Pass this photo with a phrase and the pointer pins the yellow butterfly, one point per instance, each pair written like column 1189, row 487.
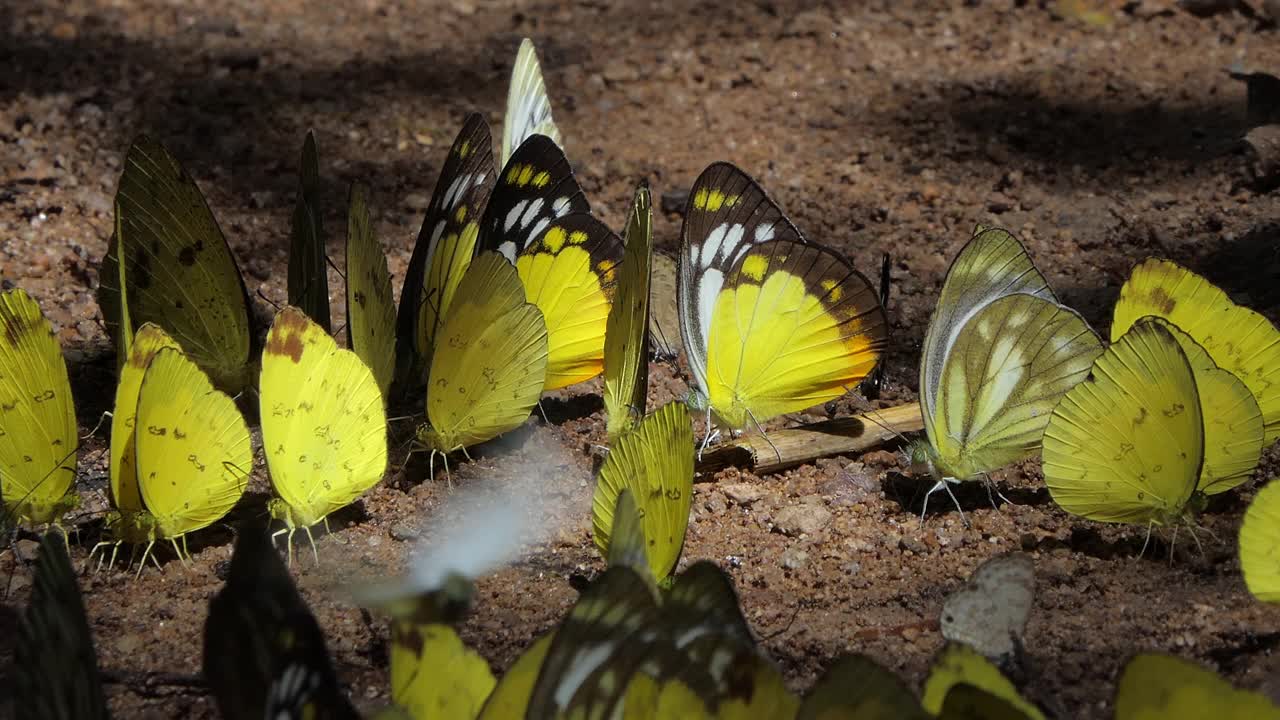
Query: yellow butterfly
column 654, row 462
column 1238, row 339
column 192, row 454
column 626, row 346
column 567, row 260
column 444, row 248
column 126, row 493
column 1162, row 687
column 308, row 280
column 489, row 362
column 371, row 309
column 959, row 665
column 528, row 107
column 181, row 273
column 38, row 440
column 433, row 674
column 324, row 430
column 999, row 353
column 1127, row 444
column 1260, row 544
column 771, row 323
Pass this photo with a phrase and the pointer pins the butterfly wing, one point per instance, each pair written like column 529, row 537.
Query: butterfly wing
column 625, row 542
column 324, row 430
column 55, row 666
column 528, row 107
column 855, row 686
column 1237, row 338
column 794, row 325
column 490, row 363
column 181, row 273
column 569, row 272
column 442, row 252
column 1260, row 544
column 654, row 462
column 959, row 665
column 433, row 674
column 1157, row 687
column 1234, row 428
column 536, row 186
column 38, row 440
column 727, row 213
column 264, row 653
column 193, row 450
column 991, row 265
column 968, row 702
column 308, row 281
column 626, row 355
column 510, row 698
column 1004, row 373
column 1127, row 443
column 125, row 492
column 371, row 309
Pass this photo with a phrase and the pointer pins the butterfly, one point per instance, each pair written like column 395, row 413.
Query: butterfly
column 1238, row 339
column 181, row 273
column 654, row 462
column 999, row 353
column 857, row 687
column 38, row 440
column 989, row 614
column 626, row 356
column 567, row 260
column 528, row 107
column 55, row 666
column 1128, row 444
column 771, row 323
column 958, row 666
column 308, row 279
column 264, row 653
column 324, row 430
column 443, row 250
column 1162, row 687
column 191, row 453
column 433, row 674
column 1260, row 544
column 489, row 362
column 126, row 520
column 371, row 309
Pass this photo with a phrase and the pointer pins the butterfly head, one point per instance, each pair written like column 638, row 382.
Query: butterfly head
column 922, row 458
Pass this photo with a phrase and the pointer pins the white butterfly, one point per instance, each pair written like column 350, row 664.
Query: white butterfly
column 989, row 614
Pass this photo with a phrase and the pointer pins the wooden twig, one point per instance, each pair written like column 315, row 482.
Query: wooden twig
column 794, row 446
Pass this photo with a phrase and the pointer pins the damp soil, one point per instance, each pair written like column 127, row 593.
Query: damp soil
column 881, row 127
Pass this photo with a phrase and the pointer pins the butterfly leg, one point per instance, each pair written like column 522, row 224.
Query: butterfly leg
column 311, row 539
column 764, row 435
column 1146, row 541
column 543, row 412
column 145, row 554
column 288, row 542
column 944, row 484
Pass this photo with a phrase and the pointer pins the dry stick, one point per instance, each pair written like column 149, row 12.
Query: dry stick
column 806, row 443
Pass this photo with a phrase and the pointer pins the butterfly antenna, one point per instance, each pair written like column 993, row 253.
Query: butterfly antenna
column 329, row 261
column 764, row 435
column 268, row 300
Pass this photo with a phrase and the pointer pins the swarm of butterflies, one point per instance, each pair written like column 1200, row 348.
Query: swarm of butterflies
column 514, row 289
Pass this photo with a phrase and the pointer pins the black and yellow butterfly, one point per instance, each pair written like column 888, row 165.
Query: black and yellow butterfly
column 771, row 322
column 182, row 275
column 264, row 653
column 539, row 219
column 55, row 666
column 442, row 251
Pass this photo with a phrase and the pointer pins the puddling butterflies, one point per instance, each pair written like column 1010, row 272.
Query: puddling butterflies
column 184, row 454
column 989, row 613
column 626, row 346
column 1260, row 544
column 999, row 353
column 772, row 323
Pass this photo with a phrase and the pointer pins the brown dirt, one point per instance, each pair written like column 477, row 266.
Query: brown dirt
column 880, row 127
